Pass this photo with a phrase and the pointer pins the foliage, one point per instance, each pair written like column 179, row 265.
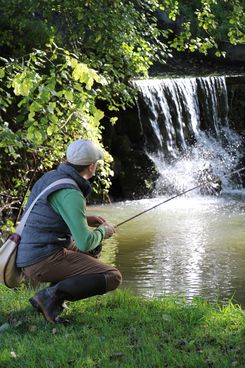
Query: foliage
column 46, row 101
column 49, row 94
column 121, row 38
column 121, row 330
column 206, row 23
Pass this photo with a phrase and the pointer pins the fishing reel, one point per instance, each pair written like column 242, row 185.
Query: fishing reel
column 96, row 252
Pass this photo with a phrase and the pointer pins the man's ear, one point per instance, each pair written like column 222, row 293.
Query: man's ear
column 91, row 168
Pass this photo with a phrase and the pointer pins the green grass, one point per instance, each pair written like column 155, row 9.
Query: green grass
column 121, row 330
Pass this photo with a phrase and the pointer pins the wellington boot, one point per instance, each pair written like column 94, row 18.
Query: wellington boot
column 81, row 287
column 46, row 302
column 50, row 301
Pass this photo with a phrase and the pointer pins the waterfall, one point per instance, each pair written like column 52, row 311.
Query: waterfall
column 187, row 134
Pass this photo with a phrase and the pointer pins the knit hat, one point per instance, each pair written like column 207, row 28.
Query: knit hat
column 83, row 152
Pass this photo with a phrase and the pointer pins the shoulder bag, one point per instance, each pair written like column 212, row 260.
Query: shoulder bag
column 10, row 275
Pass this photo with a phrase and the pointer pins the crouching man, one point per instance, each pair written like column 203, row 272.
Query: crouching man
column 45, row 253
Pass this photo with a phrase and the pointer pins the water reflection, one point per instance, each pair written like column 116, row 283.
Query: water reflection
column 191, row 246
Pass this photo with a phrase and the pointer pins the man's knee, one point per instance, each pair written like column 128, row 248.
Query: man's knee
column 113, row 279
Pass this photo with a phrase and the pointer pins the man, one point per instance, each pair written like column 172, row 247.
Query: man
column 46, row 253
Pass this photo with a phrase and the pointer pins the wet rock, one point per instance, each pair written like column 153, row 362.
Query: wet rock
column 135, row 176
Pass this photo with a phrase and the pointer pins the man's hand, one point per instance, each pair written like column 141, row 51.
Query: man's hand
column 95, row 221
column 109, row 230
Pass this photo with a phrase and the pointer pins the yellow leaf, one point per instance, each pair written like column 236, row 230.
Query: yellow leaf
column 98, row 115
column 89, row 83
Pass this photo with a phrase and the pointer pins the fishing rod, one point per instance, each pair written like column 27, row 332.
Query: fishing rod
column 177, row 195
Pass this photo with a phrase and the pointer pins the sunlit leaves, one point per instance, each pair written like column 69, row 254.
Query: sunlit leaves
column 205, row 16
column 33, row 134
column 23, row 82
column 53, row 101
column 236, row 31
column 120, row 39
column 210, row 22
column 48, row 96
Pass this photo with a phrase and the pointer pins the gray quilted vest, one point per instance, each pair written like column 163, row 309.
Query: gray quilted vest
column 45, row 231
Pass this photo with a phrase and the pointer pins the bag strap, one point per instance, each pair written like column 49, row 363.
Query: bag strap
column 21, row 225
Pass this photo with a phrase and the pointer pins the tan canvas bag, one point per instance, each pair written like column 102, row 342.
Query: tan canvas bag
column 10, row 275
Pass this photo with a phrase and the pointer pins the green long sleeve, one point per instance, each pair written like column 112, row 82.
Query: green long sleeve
column 71, row 205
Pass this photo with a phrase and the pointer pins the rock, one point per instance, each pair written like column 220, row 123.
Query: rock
column 135, row 176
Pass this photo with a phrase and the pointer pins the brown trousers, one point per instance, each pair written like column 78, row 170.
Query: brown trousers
column 69, row 262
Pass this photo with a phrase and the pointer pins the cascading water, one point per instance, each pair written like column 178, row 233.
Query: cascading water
column 187, row 133
column 192, row 245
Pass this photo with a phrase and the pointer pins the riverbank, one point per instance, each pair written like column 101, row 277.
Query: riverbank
column 121, row 330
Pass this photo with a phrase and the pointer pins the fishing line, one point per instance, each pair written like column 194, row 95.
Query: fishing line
column 177, row 195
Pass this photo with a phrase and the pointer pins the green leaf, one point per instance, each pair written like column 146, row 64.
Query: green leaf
column 80, row 73
column 31, row 116
column 2, row 73
column 89, row 83
column 113, row 120
column 36, row 106
column 51, row 107
column 22, row 85
column 98, row 115
column 68, row 95
column 53, row 118
column 50, row 130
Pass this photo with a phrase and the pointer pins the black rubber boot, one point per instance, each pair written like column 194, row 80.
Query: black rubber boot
column 81, row 287
column 46, row 302
column 49, row 301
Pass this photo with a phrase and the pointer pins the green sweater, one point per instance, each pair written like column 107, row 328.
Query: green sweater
column 71, row 205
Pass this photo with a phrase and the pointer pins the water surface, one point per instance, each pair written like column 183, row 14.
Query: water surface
column 190, row 246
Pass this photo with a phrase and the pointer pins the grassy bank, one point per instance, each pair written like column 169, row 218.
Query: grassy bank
column 121, row 330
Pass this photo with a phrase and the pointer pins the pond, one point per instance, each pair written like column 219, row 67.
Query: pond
column 191, row 246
